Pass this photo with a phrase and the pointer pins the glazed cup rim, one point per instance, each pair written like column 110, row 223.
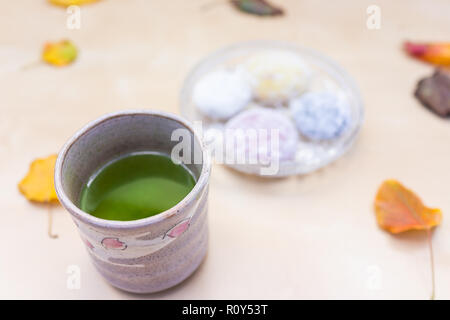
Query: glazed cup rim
column 116, row 224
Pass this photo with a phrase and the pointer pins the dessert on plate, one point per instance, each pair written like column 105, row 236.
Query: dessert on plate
column 320, row 115
column 277, row 76
column 222, row 93
column 261, row 134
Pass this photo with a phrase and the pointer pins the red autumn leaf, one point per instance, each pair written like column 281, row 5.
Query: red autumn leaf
column 434, row 53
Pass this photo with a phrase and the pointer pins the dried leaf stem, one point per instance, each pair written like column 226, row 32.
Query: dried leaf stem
column 50, row 223
column 430, row 247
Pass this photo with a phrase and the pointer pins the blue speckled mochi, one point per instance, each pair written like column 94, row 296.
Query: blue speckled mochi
column 320, row 115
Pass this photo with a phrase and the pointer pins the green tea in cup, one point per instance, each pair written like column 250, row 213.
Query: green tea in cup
column 136, row 186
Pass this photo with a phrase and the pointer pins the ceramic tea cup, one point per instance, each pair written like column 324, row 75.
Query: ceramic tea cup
column 149, row 254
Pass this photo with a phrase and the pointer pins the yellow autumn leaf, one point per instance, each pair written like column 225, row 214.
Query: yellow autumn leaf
column 59, row 53
column 38, row 185
column 66, row 3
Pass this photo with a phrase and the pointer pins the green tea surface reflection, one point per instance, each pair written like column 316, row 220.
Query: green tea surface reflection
column 136, row 186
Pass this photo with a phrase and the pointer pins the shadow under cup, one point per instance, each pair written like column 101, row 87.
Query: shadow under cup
column 150, row 254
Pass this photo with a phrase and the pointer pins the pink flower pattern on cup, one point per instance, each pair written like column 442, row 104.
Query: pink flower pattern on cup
column 88, row 244
column 113, row 243
column 179, row 229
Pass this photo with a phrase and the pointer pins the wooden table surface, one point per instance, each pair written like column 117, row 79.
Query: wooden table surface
column 311, row 236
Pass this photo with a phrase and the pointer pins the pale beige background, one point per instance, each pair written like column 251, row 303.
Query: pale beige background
column 303, row 237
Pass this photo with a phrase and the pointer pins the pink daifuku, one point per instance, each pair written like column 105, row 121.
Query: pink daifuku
column 178, row 229
column 252, row 134
column 113, row 243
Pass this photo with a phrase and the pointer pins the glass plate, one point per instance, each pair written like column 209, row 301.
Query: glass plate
column 328, row 75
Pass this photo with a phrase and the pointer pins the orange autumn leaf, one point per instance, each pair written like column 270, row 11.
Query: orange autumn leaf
column 59, row 53
column 434, row 53
column 398, row 209
column 66, row 3
column 38, row 184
